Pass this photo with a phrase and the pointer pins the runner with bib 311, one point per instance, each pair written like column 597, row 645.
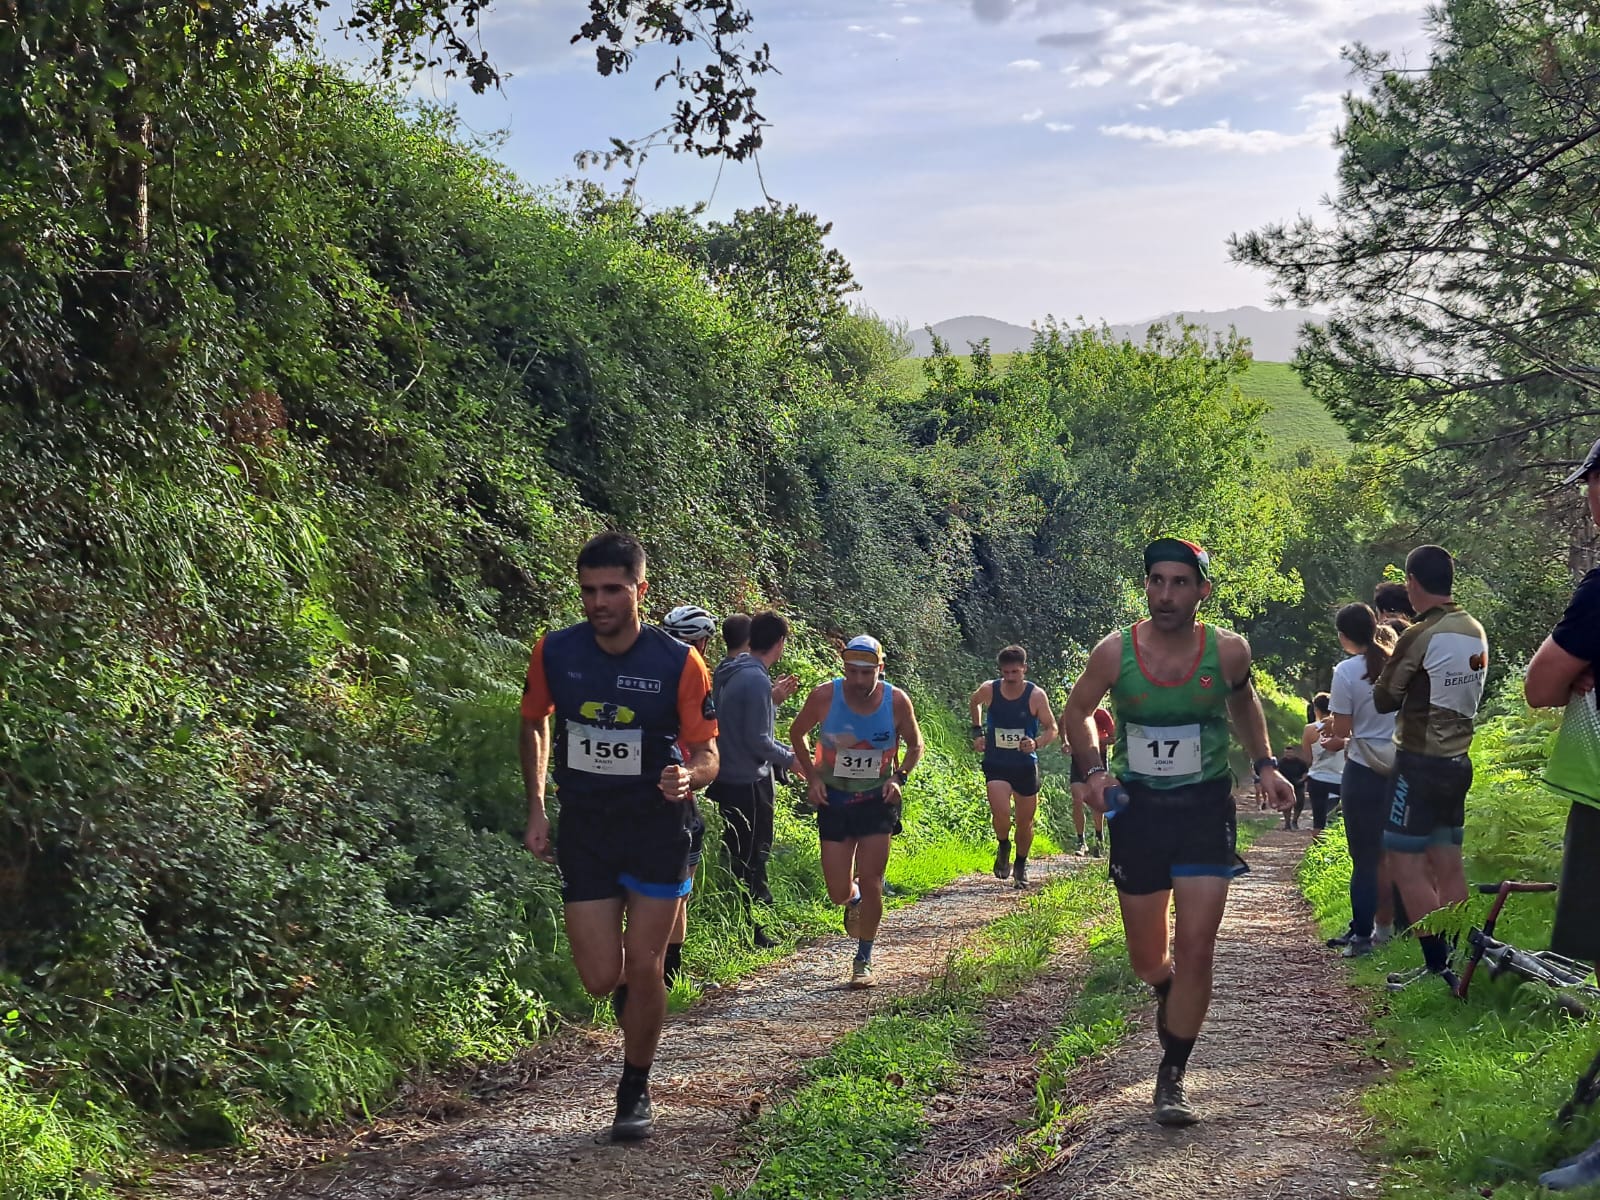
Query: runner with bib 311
column 1174, row 682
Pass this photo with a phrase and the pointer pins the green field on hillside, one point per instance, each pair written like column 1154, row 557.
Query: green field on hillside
column 1293, row 418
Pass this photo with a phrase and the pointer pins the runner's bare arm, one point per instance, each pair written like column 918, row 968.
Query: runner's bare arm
column 1249, row 719
column 1077, row 718
column 703, row 762
column 1309, row 740
column 980, row 698
column 807, row 719
column 1040, row 707
column 533, row 748
column 905, row 724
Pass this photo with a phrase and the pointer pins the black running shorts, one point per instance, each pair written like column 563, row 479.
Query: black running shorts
column 1164, row 835
column 1427, row 801
column 1577, row 928
column 847, row 818
column 1022, row 776
column 638, row 842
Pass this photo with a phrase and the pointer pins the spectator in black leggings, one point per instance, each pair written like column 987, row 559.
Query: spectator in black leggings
column 1367, row 738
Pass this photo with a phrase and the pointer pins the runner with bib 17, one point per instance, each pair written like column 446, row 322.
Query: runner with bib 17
column 1174, row 681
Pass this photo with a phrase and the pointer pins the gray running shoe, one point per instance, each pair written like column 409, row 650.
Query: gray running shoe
column 1356, row 948
column 852, row 919
column 1002, row 861
column 861, row 974
column 1172, row 1105
column 1578, row 1172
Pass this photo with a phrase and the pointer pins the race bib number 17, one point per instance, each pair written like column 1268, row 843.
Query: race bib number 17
column 1164, row 751
column 604, row 751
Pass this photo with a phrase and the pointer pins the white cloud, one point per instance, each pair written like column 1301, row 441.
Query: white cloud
column 1220, row 137
column 1025, row 64
column 1033, row 114
column 1165, row 72
column 1058, row 127
column 911, row 20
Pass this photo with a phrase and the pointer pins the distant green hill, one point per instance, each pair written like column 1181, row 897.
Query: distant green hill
column 1293, row 418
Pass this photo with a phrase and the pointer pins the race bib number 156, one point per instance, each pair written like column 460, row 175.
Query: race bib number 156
column 604, row 751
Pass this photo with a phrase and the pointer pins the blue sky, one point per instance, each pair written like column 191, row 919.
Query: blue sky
column 1006, row 157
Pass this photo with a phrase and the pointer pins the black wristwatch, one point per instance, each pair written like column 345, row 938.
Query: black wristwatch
column 900, row 777
column 1262, row 763
column 977, row 731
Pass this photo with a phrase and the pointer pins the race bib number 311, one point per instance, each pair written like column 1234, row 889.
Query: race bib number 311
column 1164, row 751
column 858, row 764
column 604, row 751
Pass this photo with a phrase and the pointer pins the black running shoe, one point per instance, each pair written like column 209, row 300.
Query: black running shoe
column 763, row 940
column 1002, row 861
column 1172, row 1105
column 1343, row 940
column 634, row 1121
column 1019, row 873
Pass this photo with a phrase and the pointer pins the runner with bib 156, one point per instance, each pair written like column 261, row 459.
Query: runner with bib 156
column 1174, row 682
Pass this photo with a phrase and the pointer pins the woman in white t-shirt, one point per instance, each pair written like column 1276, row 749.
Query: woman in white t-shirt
column 1326, row 775
column 1367, row 738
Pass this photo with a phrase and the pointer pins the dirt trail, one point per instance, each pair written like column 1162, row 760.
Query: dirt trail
column 1277, row 1073
column 719, row 1060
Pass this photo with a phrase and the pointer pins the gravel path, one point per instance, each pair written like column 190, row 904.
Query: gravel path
column 543, row 1137
column 1277, row 1073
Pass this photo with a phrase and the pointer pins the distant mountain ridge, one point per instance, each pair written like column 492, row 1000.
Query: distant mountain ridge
column 1274, row 333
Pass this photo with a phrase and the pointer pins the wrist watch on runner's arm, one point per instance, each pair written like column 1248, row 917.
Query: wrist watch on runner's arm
column 1261, row 764
column 900, row 777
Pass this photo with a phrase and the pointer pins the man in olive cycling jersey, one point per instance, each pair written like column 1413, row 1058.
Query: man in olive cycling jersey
column 1175, row 682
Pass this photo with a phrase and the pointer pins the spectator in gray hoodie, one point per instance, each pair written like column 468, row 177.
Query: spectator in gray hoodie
column 748, row 752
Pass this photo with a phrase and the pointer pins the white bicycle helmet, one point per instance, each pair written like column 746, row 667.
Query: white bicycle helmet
column 689, row 623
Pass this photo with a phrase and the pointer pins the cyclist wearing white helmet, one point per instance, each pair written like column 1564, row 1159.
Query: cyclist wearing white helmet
column 693, row 626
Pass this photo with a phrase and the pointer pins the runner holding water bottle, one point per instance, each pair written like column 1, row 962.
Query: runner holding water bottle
column 1174, row 681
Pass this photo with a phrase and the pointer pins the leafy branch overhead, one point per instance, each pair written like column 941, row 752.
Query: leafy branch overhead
column 716, row 113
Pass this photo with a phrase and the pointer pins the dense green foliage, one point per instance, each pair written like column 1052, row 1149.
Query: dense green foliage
column 1472, row 1108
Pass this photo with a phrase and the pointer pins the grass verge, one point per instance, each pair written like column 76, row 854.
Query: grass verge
column 1471, row 1113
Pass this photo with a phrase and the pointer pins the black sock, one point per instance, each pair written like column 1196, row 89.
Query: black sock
column 1162, row 991
column 619, row 998
column 1175, row 1051
column 1005, row 846
column 672, row 964
column 1435, row 952
column 634, row 1079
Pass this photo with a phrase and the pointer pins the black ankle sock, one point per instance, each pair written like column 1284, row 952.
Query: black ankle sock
column 1005, row 846
column 672, row 964
column 1176, row 1051
column 1162, row 991
column 1435, row 952
column 635, row 1080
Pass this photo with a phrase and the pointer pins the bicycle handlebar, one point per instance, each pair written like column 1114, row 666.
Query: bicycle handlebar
column 1512, row 885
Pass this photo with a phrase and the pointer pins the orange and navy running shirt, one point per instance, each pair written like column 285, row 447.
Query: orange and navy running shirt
column 618, row 717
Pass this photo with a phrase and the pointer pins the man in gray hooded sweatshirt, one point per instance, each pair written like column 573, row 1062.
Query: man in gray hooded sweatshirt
column 748, row 752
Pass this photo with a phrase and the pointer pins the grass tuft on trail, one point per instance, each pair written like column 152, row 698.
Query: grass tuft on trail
column 843, row 1132
column 1470, row 1110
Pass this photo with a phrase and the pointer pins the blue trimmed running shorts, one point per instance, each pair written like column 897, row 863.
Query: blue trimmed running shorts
column 1171, row 833
column 640, row 842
